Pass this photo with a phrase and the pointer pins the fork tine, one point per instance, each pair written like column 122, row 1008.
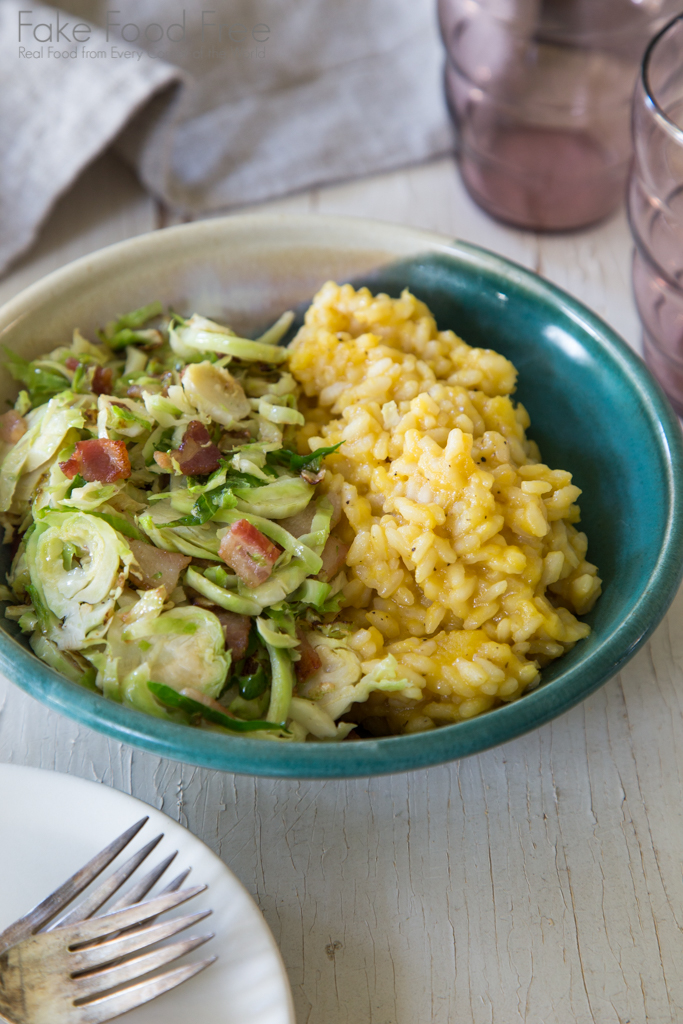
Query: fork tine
column 138, row 891
column 176, row 883
column 68, row 891
column 110, row 1006
column 98, row 927
column 111, row 977
column 98, row 956
column 172, row 886
column 107, row 889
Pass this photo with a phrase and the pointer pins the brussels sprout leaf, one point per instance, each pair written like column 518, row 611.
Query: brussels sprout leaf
column 42, row 384
column 285, row 457
column 172, row 699
column 125, row 330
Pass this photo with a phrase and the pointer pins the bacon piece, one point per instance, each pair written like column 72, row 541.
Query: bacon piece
column 72, row 363
column 333, row 555
column 155, row 567
column 99, row 459
column 235, row 630
column 301, row 522
column 12, row 426
column 235, row 627
column 102, row 380
column 197, row 453
column 309, row 662
column 246, row 550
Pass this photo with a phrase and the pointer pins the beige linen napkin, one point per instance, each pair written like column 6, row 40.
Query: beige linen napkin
column 56, row 115
column 277, row 95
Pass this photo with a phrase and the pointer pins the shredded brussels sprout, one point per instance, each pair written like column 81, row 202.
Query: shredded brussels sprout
column 169, row 527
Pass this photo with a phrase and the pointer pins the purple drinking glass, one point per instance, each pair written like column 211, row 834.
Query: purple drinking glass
column 655, row 207
column 540, row 92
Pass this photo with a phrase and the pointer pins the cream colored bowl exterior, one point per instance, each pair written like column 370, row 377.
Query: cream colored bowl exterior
column 248, row 268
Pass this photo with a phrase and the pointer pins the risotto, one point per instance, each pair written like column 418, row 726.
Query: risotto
column 464, row 559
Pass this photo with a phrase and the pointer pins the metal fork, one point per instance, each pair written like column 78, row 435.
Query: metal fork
column 76, row 969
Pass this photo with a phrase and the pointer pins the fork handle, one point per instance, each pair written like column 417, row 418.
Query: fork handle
column 11, row 991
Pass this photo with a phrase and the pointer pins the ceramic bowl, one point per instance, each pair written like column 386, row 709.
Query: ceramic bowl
column 595, row 410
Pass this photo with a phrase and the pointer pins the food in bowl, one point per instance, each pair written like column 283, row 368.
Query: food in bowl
column 464, row 563
column 349, row 537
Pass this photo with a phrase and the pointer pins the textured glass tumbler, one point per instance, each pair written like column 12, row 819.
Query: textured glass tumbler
column 655, row 206
column 540, row 92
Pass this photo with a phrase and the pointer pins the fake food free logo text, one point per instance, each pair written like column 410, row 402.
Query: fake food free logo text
column 58, row 30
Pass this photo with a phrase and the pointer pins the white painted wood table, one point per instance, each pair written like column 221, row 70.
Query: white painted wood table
column 541, row 882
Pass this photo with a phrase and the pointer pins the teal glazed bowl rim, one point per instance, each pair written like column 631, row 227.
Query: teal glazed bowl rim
column 642, row 611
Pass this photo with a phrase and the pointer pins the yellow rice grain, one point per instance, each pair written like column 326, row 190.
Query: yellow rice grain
column 464, row 559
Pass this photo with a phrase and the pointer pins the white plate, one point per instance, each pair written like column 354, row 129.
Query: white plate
column 51, row 824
